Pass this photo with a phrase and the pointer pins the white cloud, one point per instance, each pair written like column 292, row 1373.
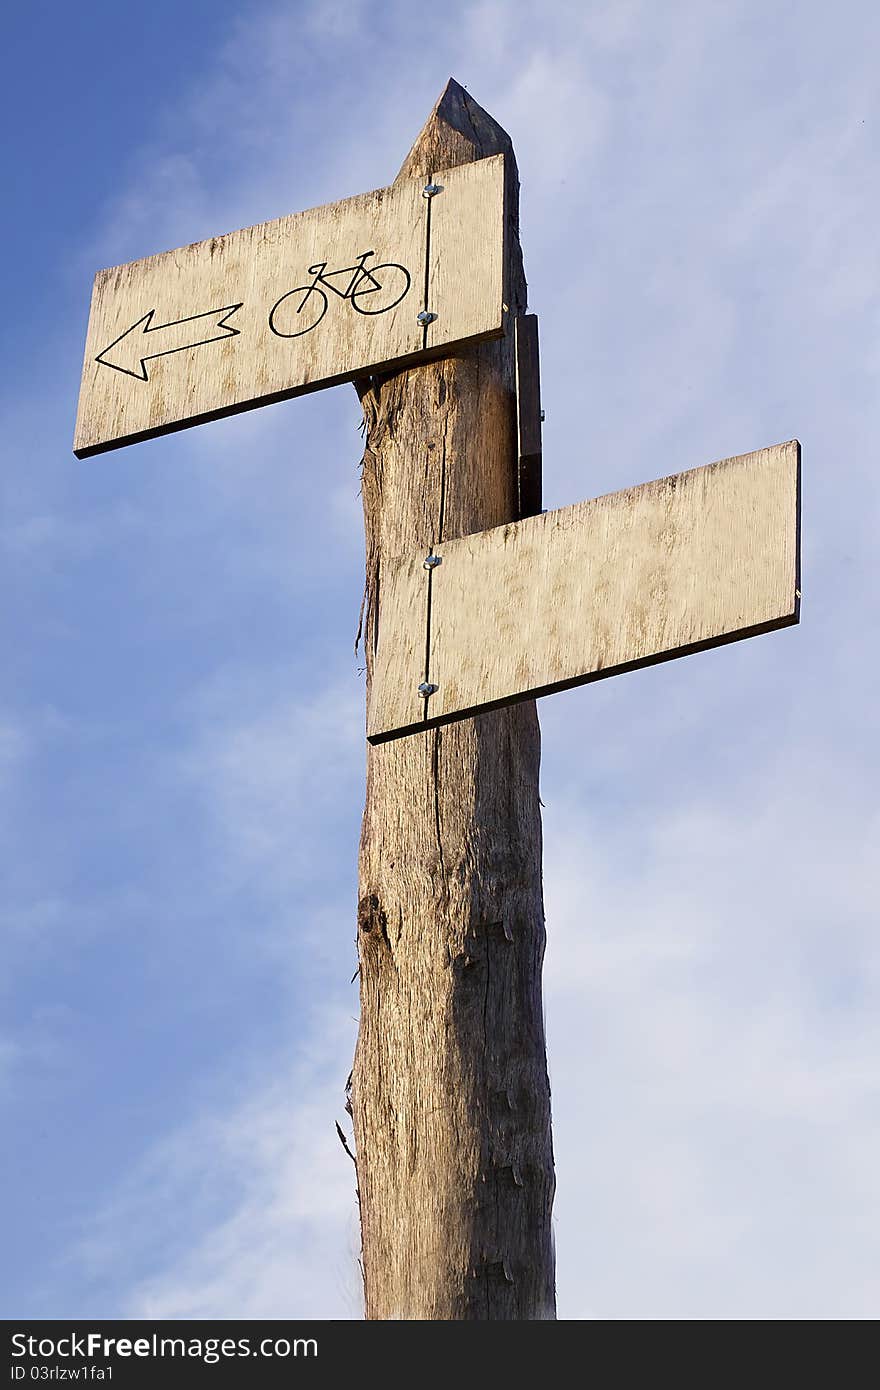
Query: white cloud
column 247, row 1212
column 272, row 774
column 711, row 990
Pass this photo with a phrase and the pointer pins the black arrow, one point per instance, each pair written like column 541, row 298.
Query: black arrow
column 130, row 346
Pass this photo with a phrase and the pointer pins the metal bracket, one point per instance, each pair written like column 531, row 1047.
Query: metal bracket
column 529, row 414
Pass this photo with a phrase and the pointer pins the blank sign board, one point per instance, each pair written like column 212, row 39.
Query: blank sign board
column 570, row 596
column 309, row 300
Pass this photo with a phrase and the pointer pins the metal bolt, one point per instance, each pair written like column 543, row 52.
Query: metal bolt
column 426, row 689
column 431, row 190
column 432, row 562
column 543, row 416
column 425, row 318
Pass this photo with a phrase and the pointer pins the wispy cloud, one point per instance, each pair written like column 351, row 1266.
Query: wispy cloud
column 246, row 1212
column 713, row 1040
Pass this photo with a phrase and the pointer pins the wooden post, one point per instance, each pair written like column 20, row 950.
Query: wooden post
column 450, row 1095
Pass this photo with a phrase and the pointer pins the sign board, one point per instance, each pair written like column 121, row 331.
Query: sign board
column 389, row 277
column 570, row 596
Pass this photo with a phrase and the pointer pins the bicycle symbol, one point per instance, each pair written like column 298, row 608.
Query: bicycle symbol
column 390, row 287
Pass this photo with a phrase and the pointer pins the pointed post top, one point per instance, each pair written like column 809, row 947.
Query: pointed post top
column 457, row 131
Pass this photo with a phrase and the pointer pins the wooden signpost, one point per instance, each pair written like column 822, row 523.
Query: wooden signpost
column 293, row 305
column 476, row 602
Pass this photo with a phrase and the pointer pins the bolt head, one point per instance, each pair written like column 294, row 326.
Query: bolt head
column 426, row 688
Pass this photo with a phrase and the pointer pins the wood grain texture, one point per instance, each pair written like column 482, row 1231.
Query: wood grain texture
column 450, row 1097
column 205, row 371
column 654, row 572
column 465, row 249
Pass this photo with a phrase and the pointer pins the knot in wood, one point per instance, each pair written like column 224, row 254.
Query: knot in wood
column 371, row 917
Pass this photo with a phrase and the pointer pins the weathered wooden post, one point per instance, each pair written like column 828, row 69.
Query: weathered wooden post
column 476, row 602
column 450, row 1096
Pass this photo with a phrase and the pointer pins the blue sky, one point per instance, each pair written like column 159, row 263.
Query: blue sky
column 181, row 721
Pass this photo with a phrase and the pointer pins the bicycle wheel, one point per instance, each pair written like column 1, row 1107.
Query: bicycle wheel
column 380, row 292
column 285, row 318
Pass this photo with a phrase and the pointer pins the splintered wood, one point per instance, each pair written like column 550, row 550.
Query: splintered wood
column 553, row 601
column 293, row 305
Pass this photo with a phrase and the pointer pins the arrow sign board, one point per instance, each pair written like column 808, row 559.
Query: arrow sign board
column 387, row 278
column 556, row 600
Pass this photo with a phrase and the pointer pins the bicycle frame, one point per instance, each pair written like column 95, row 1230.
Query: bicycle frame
column 361, row 282
column 359, row 273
